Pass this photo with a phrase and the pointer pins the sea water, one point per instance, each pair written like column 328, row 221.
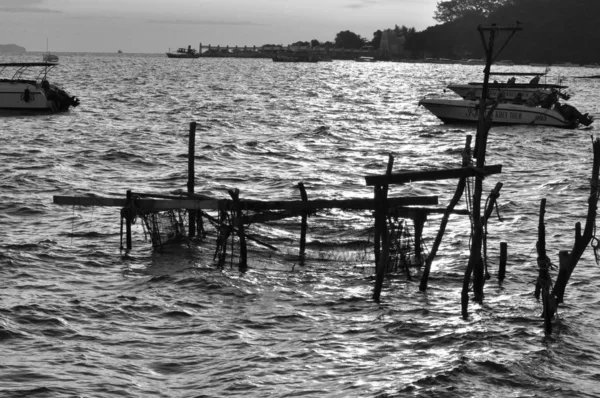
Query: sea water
column 80, row 317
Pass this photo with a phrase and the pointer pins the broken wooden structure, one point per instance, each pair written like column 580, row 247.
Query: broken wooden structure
column 185, row 215
column 552, row 294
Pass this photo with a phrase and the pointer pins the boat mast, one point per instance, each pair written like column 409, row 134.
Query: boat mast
column 476, row 265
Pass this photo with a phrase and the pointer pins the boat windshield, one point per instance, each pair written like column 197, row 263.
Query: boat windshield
column 23, row 67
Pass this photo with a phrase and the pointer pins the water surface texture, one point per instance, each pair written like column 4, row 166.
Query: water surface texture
column 79, row 317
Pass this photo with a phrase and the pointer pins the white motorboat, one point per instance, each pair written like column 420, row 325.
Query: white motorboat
column 29, row 91
column 467, row 111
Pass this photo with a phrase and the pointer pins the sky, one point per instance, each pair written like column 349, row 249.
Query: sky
column 155, row 26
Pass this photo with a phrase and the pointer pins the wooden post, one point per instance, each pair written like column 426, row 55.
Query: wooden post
column 381, row 222
column 466, row 160
column 128, row 217
column 191, row 177
column 542, row 259
column 475, row 265
column 235, row 195
column 491, row 202
column 377, row 231
column 222, row 236
column 503, row 256
column 419, row 221
column 378, row 191
column 303, row 227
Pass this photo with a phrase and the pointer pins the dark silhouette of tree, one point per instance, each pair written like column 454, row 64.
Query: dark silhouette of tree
column 301, row 44
column 315, row 43
column 554, row 31
column 451, row 10
column 404, row 31
column 376, row 42
column 347, row 39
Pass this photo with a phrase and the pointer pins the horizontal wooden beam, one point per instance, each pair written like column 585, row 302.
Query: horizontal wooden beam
column 253, row 205
column 142, row 204
column 431, row 175
column 352, row 204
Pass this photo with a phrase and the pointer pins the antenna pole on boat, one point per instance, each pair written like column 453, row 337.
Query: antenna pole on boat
column 475, row 265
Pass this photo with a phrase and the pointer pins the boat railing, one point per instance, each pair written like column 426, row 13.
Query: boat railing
column 22, row 67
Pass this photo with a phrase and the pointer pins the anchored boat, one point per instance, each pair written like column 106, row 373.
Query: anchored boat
column 184, row 53
column 514, row 103
column 31, row 95
column 465, row 111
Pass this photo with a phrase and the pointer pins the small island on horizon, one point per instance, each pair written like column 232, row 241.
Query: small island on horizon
column 12, row 48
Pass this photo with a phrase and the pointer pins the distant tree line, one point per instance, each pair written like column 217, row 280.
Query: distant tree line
column 351, row 40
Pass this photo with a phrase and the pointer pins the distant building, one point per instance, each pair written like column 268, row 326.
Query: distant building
column 392, row 45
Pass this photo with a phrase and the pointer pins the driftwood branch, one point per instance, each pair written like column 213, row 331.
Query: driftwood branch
column 582, row 240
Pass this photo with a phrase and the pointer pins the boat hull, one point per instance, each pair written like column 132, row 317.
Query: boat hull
column 465, row 111
column 174, row 55
column 30, row 97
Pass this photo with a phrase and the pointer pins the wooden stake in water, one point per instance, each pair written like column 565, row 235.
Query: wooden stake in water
column 503, row 257
column 191, row 177
column 303, row 227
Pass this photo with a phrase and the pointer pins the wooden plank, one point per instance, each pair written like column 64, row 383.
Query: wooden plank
column 431, row 175
column 353, row 204
column 255, row 205
column 88, row 201
column 141, row 204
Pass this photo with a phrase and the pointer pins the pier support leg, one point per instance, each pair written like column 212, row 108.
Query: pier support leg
column 239, row 224
column 303, row 227
column 503, row 257
column 381, row 223
column 128, row 218
column 381, row 231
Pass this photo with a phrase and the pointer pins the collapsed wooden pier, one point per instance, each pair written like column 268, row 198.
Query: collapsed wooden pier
column 173, row 218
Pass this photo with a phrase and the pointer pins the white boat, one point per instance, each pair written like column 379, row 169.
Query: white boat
column 29, row 91
column 467, row 111
column 50, row 57
column 365, row 59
